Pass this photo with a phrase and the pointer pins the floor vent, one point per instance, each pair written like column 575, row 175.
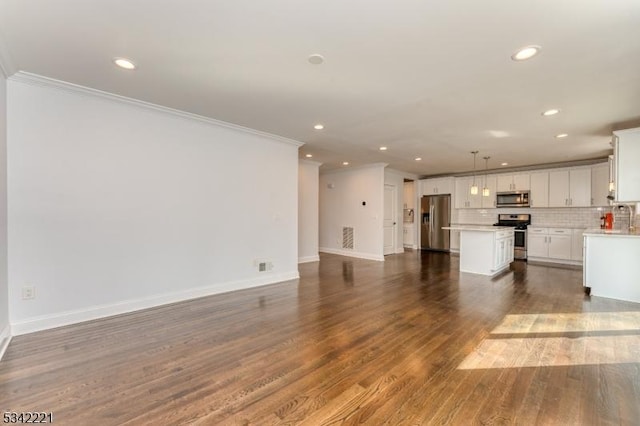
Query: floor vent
column 347, row 237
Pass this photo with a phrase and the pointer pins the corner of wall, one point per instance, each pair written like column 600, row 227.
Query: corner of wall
column 5, row 339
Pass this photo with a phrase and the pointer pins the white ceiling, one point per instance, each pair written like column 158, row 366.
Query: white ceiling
column 428, row 79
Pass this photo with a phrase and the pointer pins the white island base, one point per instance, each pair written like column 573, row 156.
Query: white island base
column 485, row 250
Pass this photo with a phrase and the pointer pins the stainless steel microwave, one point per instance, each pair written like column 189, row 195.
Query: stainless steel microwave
column 512, row 199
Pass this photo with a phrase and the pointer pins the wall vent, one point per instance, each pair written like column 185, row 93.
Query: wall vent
column 347, row 237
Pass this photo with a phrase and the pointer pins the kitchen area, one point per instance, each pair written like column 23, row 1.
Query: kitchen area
column 570, row 215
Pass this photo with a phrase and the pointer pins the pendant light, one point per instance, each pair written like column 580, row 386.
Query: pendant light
column 485, row 190
column 474, row 187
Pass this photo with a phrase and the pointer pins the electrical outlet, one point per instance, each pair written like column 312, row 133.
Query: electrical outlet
column 28, row 292
column 263, row 265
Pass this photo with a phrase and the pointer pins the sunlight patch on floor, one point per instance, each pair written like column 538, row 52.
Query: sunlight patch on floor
column 553, row 351
column 604, row 344
column 568, row 322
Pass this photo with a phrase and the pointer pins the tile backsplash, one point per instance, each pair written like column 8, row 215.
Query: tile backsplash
column 588, row 217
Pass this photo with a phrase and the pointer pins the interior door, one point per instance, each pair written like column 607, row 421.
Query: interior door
column 389, row 219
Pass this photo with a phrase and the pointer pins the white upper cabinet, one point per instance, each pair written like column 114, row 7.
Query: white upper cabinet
column 559, row 188
column 539, row 196
column 437, row 186
column 580, row 187
column 570, row 188
column 463, row 197
column 600, row 184
column 513, row 182
column 491, row 182
column 626, row 156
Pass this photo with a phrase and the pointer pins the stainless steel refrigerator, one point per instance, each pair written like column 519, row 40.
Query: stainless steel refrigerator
column 435, row 213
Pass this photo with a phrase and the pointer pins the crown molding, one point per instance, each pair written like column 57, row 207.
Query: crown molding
column 533, row 167
column 41, row 81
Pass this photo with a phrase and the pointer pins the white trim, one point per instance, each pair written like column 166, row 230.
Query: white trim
column 309, row 162
column 7, row 67
column 350, row 253
column 399, row 250
column 307, row 259
column 5, row 339
column 60, row 319
column 38, row 80
column 402, row 174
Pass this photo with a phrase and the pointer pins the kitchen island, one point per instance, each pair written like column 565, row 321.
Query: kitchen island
column 612, row 264
column 485, row 249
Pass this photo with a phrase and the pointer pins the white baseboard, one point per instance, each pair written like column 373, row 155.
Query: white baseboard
column 308, row 259
column 60, row 319
column 399, row 250
column 558, row 262
column 350, row 253
column 5, row 339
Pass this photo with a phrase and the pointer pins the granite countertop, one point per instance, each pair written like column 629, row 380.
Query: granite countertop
column 612, row 233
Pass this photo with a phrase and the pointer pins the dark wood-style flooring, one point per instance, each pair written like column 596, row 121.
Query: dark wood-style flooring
column 401, row 342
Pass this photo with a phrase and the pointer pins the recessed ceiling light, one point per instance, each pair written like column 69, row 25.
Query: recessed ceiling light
column 316, row 59
column 504, row 164
column 562, row 135
column 549, row 112
column 526, row 53
column 383, row 148
column 124, row 63
column 309, row 155
column 345, row 163
column 418, row 158
column 318, row 127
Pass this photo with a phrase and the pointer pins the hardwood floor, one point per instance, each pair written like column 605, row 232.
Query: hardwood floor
column 405, row 341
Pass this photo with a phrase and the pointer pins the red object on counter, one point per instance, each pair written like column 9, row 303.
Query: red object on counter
column 608, row 221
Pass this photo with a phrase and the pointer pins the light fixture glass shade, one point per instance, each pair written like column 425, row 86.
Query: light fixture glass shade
column 486, row 192
column 474, row 189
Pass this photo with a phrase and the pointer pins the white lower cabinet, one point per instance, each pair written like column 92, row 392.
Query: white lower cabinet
column 503, row 254
column 577, row 244
column 407, row 235
column 559, row 245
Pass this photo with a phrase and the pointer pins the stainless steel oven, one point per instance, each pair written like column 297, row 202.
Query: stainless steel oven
column 520, row 222
column 520, row 244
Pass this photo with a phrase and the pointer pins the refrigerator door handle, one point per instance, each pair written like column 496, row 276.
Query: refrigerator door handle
column 431, row 217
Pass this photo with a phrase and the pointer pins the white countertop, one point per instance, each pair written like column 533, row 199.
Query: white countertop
column 597, row 232
column 481, row 228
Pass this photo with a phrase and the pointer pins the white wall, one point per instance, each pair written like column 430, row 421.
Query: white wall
column 341, row 206
column 4, row 289
column 115, row 206
column 394, row 178
column 308, row 211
